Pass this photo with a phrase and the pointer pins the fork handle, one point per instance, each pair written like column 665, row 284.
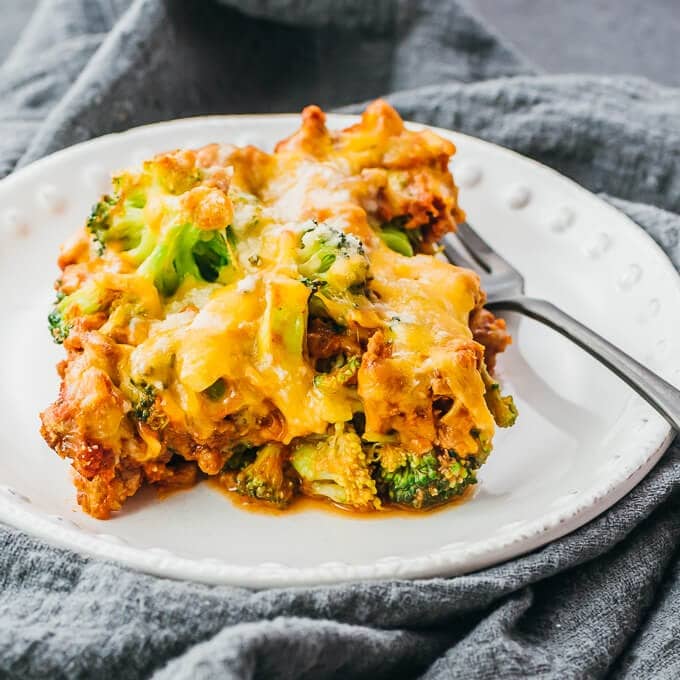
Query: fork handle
column 660, row 394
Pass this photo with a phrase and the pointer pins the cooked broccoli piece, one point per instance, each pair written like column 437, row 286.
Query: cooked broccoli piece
column 89, row 299
column 120, row 220
column 484, row 446
column 335, row 266
column 400, row 239
column 502, row 408
column 98, row 221
column 339, row 376
column 183, row 250
column 422, row 481
column 143, row 399
column 336, row 467
column 241, row 455
column 396, row 240
column 59, row 327
column 329, row 256
column 176, row 252
column 267, row 478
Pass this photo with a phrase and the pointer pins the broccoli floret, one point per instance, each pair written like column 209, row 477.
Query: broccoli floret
column 330, row 257
column 423, row 481
column 89, row 299
column 335, row 266
column 400, row 239
column 59, row 327
column 168, row 255
column 143, row 398
column 502, row 408
column 336, row 467
column 98, row 222
column 120, row 220
column 267, row 478
column 183, row 251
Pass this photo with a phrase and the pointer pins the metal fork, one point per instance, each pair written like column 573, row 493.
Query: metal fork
column 504, row 287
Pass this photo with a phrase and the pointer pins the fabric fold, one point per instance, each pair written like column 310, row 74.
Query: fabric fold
column 602, row 600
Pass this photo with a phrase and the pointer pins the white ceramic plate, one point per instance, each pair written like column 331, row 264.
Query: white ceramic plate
column 582, row 440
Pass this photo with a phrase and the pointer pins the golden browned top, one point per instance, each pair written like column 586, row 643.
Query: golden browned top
column 225, row 285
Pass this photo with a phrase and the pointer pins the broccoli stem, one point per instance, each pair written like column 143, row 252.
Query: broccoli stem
column 502, row 408
column 396, row 239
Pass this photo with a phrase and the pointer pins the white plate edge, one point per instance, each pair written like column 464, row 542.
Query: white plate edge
column 162, row 563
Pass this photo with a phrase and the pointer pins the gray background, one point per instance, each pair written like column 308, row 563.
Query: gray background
column 591, row 36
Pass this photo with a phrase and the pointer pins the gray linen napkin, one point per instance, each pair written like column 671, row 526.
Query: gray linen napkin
column 601, row 601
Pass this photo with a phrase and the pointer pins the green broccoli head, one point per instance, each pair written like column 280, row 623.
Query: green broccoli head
column 89, row 299
column 337, row 468
column 143, row 399
column 119, row 219
column 425, row 480
column 268, row 477
column 335, row 266
column 184, row 251
column 330, row 257
column 98, row 223
column 58, row 325
column 173, row 253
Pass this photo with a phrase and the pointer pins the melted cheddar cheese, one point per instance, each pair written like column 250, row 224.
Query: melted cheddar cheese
column 236, row 313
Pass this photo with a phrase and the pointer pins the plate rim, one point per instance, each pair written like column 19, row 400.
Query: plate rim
column 16, row 511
